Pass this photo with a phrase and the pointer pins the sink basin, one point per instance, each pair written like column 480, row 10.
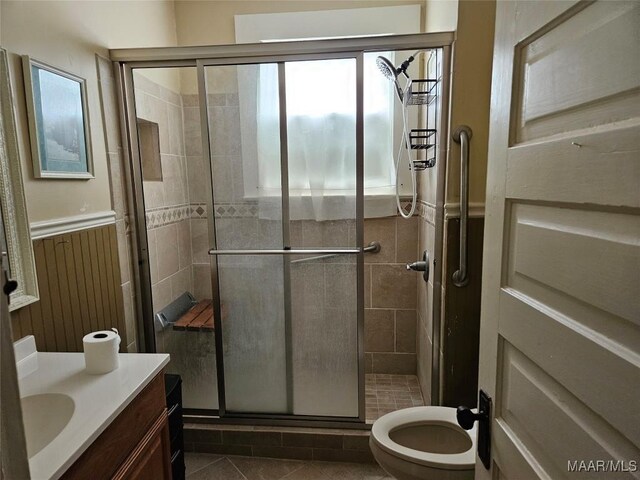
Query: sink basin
column 45, row 416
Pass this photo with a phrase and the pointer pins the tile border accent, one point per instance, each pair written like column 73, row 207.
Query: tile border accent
column 59, row 226
column 427, row 211
column 237, row 210
column 198, row 210
column 159, row 217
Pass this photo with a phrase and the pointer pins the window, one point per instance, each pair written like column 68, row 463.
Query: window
column 321, row 119
column 321, row 109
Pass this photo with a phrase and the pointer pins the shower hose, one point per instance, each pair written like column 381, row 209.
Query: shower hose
column 407, row 147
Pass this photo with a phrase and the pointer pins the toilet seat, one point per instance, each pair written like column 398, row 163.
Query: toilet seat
column 415, row 416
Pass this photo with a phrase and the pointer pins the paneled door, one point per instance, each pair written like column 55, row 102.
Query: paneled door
column 560, row 331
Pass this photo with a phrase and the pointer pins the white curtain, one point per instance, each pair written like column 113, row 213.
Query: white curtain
column 321, row 113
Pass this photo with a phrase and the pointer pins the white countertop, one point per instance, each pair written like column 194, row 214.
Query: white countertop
column 99, row 399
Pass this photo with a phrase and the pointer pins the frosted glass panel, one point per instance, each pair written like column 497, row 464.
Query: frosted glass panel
column 252, row 297
column 175, row 179
column 321, row 123
column 193, row 357
column 244, row 141
column 324, row 336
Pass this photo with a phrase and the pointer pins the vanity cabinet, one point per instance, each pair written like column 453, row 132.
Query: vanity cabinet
column 135, row 446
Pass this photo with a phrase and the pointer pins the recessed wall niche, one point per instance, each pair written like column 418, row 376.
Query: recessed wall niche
column 149, row 137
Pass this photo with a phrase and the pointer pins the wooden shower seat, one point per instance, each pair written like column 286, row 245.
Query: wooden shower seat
column 197, row 318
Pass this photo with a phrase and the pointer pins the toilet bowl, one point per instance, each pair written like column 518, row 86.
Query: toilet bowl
column 424, row 443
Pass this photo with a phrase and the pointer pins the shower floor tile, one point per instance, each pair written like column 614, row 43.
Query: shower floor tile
column 387, row 393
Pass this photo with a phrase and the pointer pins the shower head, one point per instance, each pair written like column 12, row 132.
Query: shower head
column 387, row 68
column 389, row 71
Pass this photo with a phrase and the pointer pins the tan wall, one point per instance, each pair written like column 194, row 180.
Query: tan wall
column 441, row 15
column 212, row 22
column 67, row 35
column 471, row 92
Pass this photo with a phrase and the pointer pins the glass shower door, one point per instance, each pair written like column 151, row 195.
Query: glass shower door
column 284, row 220
column 250, row 287
column 321, row 131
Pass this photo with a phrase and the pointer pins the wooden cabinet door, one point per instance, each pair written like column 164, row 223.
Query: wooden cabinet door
column 115, row 445
column 151, row 459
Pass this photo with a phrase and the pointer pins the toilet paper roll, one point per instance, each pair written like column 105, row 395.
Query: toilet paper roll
column 101, row 351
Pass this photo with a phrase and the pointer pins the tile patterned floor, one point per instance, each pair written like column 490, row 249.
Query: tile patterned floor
column 387, row 393
column 204, row 466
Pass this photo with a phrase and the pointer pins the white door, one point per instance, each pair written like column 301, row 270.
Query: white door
column 560, row 331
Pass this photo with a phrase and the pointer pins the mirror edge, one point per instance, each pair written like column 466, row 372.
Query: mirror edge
column 12, row 198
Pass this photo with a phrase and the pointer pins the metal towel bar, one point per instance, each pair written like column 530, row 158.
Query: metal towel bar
column 373, row 247
column 462, row 135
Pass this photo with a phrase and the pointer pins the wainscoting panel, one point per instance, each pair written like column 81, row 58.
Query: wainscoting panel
column 461, row 330
column 79, row 282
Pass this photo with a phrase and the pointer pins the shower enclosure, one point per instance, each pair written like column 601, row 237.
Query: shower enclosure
column 273, row 188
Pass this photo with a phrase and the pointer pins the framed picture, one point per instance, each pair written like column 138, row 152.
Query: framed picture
column 58, row 122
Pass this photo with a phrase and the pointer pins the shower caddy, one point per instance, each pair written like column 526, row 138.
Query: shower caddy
column 424, row 92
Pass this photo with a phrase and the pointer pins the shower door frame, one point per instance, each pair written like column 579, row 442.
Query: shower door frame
column 127, row 60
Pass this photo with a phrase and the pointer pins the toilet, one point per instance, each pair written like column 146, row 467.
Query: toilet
column 424, row 443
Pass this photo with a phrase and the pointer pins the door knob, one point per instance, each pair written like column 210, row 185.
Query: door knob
column 421, row 266
column 467, row 417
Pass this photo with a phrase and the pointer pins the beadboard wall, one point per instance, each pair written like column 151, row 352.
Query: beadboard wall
column 79, row 282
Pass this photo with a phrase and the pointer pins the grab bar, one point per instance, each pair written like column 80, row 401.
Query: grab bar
column 373, row 247
column 462, row 135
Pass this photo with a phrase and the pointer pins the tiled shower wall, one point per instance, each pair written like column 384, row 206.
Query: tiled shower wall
column 167, row 203
column 426, row 212
column 199, row 188
column 390, row 296
column 425, row 295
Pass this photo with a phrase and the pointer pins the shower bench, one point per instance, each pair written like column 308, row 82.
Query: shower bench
column 197, row 318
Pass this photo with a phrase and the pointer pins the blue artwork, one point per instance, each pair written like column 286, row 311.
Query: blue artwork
column 60, row 124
